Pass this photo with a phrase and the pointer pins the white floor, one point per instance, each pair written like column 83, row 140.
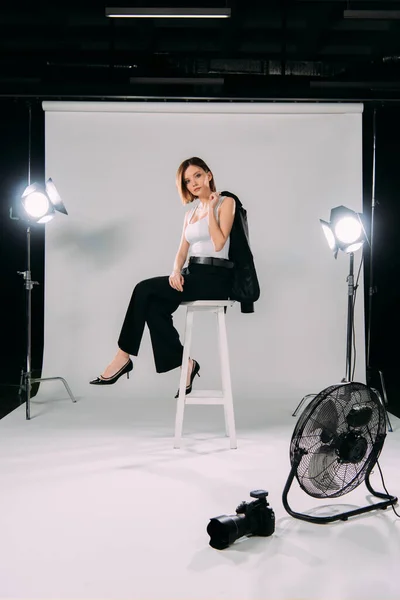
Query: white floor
column 95, row 503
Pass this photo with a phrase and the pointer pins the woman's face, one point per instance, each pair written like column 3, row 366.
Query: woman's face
column 197, row 181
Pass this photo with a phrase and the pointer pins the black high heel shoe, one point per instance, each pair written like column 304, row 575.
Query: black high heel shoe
column 127, row 368
column 195, row 371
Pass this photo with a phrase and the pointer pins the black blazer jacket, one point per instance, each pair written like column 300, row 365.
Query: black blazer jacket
column 245, row 287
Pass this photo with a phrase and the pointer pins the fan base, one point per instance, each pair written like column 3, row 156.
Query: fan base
column 388, row 501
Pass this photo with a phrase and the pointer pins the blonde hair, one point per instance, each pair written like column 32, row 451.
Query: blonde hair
column 186, row 196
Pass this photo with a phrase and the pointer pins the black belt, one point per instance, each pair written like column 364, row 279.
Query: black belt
column 209, row 260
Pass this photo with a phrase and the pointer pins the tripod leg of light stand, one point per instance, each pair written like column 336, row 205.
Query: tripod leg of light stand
column 385, row 400
column 302, row 402
column 21, row 384
column 54, row 379
column 388, row 423
column 25, row 393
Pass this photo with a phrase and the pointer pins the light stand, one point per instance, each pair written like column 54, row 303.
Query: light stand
column 350, row 328
column 336, row 233
column 350, row 318
column 26, row 376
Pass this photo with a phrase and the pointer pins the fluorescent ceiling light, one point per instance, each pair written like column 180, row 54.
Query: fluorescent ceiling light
column 372, row 14
column 168, row 13
column 177, row 80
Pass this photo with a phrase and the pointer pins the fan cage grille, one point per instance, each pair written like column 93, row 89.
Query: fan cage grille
column 321, row 473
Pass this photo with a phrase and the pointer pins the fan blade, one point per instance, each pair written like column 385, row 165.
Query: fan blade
column 326, row 419
column 320, row 469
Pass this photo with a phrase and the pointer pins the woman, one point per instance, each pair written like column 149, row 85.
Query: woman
column 205, row 237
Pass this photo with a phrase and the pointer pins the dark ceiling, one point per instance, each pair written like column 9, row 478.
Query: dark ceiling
column 290, row 49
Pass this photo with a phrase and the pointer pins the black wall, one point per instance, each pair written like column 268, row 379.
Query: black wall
column 14, row 164
column 14, row 140
column 385, row 329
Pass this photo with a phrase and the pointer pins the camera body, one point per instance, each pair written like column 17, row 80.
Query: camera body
column 252, row 518
column 259, row 515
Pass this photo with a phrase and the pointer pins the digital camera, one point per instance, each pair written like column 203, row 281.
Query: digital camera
column 252, row 518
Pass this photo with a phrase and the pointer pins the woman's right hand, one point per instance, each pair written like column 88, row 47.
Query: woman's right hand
column 176, row 280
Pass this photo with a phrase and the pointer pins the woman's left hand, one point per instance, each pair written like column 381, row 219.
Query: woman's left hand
column 214, row 197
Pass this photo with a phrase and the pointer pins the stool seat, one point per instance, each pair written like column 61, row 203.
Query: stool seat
column 210, row 397
column 208, row 303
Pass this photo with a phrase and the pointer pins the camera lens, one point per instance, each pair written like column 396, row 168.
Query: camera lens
column 225, row 530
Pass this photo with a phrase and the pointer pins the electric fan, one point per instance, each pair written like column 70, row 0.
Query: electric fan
column 335, row 444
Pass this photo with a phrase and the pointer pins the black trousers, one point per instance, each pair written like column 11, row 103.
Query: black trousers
column 153, row 301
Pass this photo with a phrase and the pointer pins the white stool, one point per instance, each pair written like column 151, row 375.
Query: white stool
column 223, row 396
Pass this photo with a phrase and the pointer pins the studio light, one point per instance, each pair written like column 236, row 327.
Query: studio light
column 345, row 230
column 168, row 13
column 40, row 203
column 329, row 235
column 54, row 196
column 36, row 204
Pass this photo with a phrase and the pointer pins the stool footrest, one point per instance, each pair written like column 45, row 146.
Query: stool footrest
column 205, row 397
column 209, row 400
column 206, row 394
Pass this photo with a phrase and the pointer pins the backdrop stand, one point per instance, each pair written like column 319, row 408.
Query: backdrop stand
column 372, row 289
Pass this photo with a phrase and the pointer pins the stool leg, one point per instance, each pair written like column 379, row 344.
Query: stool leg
column 180, row 404
column 227, row 432
column 226, row 378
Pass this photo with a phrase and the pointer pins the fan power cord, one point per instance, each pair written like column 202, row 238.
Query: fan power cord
column 381, row 474
column 384, row 487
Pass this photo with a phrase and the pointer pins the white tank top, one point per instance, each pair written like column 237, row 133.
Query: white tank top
column 199, row 238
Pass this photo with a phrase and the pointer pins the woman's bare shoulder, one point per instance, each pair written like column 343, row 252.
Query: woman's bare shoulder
column 229, row 203
column 188, row 212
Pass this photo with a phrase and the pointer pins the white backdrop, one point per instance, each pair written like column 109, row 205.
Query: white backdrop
column 114, row 165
